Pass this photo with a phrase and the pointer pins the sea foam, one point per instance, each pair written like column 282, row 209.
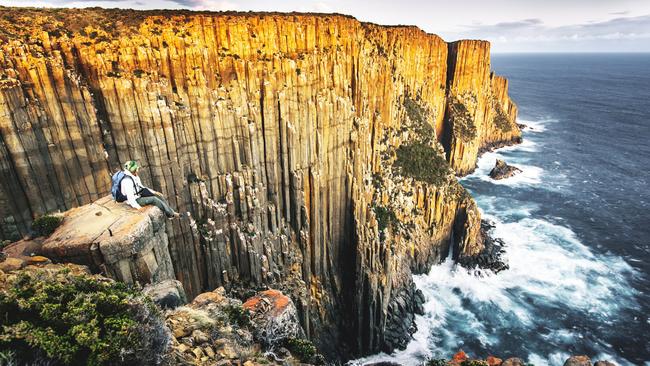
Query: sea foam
column 551, row 271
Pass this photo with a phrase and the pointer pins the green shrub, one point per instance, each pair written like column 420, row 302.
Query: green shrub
column 237, row 315
column 422, row 162
column 4, row 243
column 462, row 121
column 418, row 117
column 385, row 217
column 305, row 351
column 8, row 358
column 78, row 319
column 46, row 224
column 501, row 119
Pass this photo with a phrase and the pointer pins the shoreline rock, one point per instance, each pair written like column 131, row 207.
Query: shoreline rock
column 502, row 170
column 491, row 257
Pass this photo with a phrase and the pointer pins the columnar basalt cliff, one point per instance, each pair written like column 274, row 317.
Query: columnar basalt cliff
column 313, row 153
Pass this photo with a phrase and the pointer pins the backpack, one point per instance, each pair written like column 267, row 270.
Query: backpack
column 116, row 184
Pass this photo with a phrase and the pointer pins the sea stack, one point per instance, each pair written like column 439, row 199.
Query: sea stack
column 502, row 170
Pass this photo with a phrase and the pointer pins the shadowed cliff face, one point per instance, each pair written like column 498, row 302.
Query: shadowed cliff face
column 295, row 142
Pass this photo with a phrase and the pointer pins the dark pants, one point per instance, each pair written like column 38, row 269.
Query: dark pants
column 158, row 202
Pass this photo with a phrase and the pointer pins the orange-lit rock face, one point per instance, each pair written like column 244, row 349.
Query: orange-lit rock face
column 275, row 299
column 278, row 133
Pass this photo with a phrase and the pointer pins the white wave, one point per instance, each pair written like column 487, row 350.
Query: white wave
column 548, row 263
column 538, row 125
column 527, row 145
column 529, row 175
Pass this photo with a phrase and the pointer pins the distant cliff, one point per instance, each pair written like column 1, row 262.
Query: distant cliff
column 315, row 153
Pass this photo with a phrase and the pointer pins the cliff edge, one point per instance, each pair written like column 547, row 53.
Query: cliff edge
column 313, row 153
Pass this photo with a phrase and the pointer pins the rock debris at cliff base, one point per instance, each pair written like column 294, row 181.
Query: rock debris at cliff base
column 278, row 133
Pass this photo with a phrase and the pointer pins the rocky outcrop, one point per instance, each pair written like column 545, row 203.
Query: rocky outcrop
column 491, row 255
column 479, row 115
column 212, row 330
column 461, row 359
column 274, row 316
column 578, row 361
column 502, row 170
column 167, row 294
column 109, row 237
column 292, row 140
column 215, row 329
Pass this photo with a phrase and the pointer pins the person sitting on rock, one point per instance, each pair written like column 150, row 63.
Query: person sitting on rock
column 127, row 187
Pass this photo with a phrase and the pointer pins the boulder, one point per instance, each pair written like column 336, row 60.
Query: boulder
column 502, row 170
column 513, row 361
column 578, row 361
column 168, row 294
column 493, row 361
column 460, row 356
column 274, row 317
column 604, row 363
column 12, row 264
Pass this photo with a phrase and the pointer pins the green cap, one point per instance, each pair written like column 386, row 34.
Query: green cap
column 131, row 166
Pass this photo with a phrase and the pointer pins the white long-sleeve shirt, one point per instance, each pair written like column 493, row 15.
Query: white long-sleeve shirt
column 130, row 190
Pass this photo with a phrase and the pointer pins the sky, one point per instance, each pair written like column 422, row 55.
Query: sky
column 510, row 25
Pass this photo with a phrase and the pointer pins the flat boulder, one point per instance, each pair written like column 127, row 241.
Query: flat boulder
column 112, row 238
column 502, row 170
column 274, row 317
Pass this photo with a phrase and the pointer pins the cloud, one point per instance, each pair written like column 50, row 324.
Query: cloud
column 528, row 30
column 215, row 5
column 220, row 5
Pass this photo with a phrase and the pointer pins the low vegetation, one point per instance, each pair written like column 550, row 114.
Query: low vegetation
column 422, row 162
column 501, row 119
column 461, row 120
column 417, row 115
column 58, row 317
column 385, row 217
column 46, row 224
column 305, row 351
column 237, row 315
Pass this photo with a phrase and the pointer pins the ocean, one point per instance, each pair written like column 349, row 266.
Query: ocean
column 576, row 224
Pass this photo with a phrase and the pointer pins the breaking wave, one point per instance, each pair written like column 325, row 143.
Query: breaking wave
column 537, row 308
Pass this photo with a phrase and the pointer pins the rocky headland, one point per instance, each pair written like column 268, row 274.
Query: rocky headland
column 309, row 153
